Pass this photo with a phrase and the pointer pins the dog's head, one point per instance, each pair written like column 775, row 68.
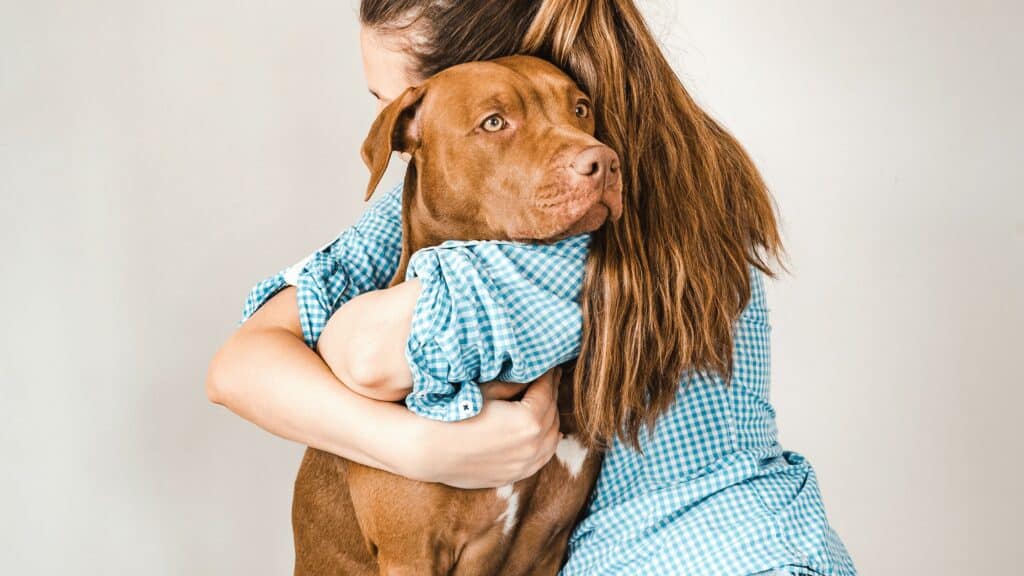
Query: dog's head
column 499, row 150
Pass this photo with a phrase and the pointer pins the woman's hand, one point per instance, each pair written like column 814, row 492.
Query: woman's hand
column 507, row 441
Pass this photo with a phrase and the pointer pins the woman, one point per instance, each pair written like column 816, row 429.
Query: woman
column 672, row 373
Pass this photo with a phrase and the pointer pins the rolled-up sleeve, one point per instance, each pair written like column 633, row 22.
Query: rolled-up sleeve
column 490, row 311
column 363, row 258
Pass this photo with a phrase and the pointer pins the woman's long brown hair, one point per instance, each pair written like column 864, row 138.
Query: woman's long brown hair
column 666, row 283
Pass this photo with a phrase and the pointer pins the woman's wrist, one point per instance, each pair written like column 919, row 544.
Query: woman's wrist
column 421, row 449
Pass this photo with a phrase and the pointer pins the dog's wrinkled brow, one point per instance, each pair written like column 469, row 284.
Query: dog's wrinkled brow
column 504, row 102
column 494, row 103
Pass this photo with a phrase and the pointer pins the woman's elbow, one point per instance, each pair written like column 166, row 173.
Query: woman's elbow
column 219, row 388
column 214, row 385
column 365, row 371
column 379, row 393
column 367, row 361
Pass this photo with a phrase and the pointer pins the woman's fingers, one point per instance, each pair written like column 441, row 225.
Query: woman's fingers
column 542, row 395
column 541, row 401
column 506, row 442
column 549, row 445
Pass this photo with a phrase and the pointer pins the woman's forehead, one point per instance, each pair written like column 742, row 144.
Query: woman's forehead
column 388, row 69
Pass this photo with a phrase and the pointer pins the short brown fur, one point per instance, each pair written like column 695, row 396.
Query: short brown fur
column 461, row 183
column 664, row 284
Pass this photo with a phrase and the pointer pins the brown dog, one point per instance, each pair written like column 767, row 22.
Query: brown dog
column 499, row 150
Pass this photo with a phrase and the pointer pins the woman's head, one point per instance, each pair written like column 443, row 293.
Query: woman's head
column 407, row 41
column 667, row 281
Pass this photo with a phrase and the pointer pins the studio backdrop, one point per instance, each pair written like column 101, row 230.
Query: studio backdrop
column 157, row 158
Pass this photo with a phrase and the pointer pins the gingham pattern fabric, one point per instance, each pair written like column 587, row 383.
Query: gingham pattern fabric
column 490, row 311
column 362, row 258
column 712, row 493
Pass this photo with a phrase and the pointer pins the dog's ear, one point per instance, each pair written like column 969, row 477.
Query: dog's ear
column 395, row 129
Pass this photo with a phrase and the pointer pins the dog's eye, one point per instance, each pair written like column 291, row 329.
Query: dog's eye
column 493, row 123
column 582, row 110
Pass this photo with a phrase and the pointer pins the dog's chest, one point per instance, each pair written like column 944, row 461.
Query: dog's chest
column 561, row 474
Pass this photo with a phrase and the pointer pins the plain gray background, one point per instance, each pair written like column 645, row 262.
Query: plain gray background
column 157, row 158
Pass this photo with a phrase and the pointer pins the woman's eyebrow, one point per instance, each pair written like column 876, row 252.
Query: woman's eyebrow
column 380, row 98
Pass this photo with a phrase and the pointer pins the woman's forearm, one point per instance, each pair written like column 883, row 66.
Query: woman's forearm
column 266, row 374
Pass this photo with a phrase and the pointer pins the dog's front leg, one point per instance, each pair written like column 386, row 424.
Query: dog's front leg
column 327, row 536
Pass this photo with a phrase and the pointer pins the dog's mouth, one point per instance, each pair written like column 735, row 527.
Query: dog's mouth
column 579, row 193
column 585, row 209
column 593, row 219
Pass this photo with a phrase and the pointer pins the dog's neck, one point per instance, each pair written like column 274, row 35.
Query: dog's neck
column 419, row 230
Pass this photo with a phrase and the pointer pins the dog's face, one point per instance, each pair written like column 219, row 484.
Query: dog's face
column 499, row 150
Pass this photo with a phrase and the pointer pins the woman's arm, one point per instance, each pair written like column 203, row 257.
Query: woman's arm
column 269, row 376
column 363, row 258
column 268, row 373
column 364, row 342
column 472, row 312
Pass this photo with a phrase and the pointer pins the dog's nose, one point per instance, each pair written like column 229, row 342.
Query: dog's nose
column 595, row 163
column 597, row 168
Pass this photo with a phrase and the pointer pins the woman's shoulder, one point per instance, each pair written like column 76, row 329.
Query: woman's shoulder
column 756, row 309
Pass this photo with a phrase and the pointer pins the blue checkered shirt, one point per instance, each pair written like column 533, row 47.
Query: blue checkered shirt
column 711, row 493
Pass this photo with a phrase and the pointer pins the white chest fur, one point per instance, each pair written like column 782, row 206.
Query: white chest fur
column 571, row 453
column 508, row 493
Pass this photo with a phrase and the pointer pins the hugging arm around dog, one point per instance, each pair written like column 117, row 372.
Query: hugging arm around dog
column 664, row 310
column 712, row 492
